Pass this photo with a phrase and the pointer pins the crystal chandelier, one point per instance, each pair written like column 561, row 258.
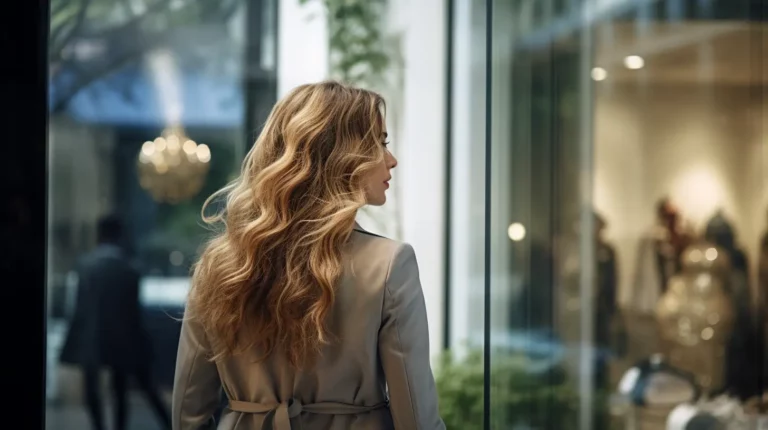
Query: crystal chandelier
column 173, row 168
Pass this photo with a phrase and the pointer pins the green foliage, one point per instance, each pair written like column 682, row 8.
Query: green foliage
column 357, row 52
column 460, row 390
column 518, row 397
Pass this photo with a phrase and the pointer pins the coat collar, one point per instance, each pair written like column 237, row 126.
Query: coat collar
column 359, row 229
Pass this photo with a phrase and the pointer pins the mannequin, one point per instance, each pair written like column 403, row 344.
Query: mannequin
column 762, row 318
column 659, row 257
column 720, row 232
column 741, row 363
column 608, row 331
column 607, row 316
column 671, row 242
column 605, row 294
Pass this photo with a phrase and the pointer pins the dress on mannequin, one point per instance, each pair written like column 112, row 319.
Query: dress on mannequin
column 741, row 363
column 762, row 316
column 606, row 308
column 608, row 329
column 658, row 258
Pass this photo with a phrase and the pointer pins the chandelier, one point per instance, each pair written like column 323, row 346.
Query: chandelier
column 173, row 168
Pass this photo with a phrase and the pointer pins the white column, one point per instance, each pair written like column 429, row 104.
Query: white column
column 302, row 52
column 468, row 176
column 421, row 149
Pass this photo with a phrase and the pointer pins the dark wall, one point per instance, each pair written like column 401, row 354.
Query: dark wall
column 23, row 47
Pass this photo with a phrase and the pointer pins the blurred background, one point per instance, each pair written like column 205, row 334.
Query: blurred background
column 584, row 182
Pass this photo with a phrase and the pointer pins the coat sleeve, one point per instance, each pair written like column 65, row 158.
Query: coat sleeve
column 196, row 387
column 404, row 347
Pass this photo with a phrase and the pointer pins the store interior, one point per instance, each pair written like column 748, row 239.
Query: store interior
column 680, row 133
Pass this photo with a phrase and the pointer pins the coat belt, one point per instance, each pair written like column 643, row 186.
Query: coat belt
column 278, row 416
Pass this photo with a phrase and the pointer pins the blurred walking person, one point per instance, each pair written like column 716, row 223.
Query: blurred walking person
column 107, row 331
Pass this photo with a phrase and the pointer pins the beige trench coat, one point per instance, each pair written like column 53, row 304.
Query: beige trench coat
column 377, row 376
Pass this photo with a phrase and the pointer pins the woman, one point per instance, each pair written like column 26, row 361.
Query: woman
column 305, row 319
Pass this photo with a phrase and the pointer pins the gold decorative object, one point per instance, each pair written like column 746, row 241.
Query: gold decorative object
column 695, row 316
column 173, row 168
column 704, row 257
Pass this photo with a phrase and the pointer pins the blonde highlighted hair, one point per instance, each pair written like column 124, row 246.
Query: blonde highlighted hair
column 266, row 281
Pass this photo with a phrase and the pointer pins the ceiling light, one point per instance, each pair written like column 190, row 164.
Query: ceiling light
column 516, row 232
column 634, row 62
column 599, row 74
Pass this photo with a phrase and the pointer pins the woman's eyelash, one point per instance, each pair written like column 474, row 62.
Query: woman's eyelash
column 386, row 142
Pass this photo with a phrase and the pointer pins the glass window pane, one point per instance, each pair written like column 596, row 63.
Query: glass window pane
column 133, row 80
column 537, row 198
column 628, row 175
column 152, row 108
column 679, row 105
column 461, row 375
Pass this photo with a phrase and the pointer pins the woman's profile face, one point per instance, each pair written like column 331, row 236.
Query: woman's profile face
column 378, row 180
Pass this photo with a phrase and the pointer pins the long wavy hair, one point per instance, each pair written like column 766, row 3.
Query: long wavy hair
column 265, row 282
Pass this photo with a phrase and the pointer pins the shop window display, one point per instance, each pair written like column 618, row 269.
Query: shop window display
column 690, row 143
column 628, row 141
column 691, row 293
column 690, row 297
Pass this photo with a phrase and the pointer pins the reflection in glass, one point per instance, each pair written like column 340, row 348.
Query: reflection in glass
column 147, row 114
column 648, row 114
column 172, row 172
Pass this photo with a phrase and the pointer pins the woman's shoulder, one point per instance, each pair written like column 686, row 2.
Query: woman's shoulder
column 371, row 249
column 372, row 246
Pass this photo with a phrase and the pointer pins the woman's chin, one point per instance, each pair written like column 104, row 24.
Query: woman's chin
column 379, row 201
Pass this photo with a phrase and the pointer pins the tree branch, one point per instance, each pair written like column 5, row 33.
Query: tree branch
column 95, row 73
column 90, row 73
column 78, row 23
column 117, row 31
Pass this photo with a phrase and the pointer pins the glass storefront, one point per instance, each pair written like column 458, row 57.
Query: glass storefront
column 627, row 213
column 584, row 183
column 152, row 106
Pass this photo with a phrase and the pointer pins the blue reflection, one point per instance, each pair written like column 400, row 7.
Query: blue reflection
column 128, row 98
column 542, row 348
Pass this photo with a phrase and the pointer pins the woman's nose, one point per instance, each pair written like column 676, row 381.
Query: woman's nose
column 392, row 161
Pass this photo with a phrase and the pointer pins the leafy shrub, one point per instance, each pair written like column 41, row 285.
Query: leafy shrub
column 519, row 398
